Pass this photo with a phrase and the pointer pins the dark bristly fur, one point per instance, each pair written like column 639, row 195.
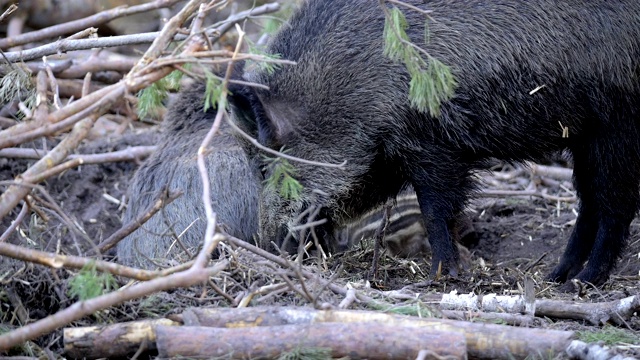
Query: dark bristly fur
column 234, row 178
column 345, row 101
column 235, row 182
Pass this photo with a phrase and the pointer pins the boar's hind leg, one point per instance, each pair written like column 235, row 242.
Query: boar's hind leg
column 584, row 231
column 606, row 176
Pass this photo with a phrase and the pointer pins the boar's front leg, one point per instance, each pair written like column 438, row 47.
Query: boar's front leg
column 442, row 192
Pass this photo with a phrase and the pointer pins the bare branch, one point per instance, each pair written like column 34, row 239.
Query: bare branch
column 129, row 154
column 15, row 223
column 58, row 261
column 12, row 8
column 81, row 24
column 130, row 227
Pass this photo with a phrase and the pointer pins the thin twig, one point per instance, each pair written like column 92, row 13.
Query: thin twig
column 202, row 150
column 65, row 45
column 131, row 226
column 12, row 8
column 15, row 223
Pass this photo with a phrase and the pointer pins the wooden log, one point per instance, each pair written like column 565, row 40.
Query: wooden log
column 616, row 311
column 117, row 340
column 485, row 341
column 353, row 340
column 496, row 318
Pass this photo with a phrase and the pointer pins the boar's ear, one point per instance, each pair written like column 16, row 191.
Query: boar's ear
column 269, row 124
column 266, row 123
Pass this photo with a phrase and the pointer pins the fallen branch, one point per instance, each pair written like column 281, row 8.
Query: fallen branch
column 81, row 24
column 555, row 172
column 57, row 261
column 65, row 45
column 483, row 340
column 491, row 317
column 133, row 153
column 617, row 311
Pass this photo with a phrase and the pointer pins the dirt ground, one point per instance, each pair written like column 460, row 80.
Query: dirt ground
column 513, row 236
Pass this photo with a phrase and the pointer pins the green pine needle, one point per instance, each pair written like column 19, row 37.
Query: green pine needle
column 172, row 81
column 394, row 32
column 212, row 91
column 16, row 85
column 89, row 283
column 431, row 81
column 150, row 100
column 268, row 67
column 282, row 179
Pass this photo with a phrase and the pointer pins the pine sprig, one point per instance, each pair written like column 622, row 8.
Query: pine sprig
column 431, row 81
column 89, row 283
column 151, row 99
column 282, row 179
column 16, row 85
column 266, row 66
column 213, row 90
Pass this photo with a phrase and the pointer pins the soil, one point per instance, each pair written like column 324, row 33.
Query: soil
column 513, row 236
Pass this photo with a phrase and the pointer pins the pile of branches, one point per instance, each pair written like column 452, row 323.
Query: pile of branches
column 72, row 95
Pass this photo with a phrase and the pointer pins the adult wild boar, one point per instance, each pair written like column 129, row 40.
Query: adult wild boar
column 344, row 100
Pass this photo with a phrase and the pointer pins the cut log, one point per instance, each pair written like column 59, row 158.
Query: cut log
column 617, row 311
column 118, row 340
column 354, row 340
column 496, row 318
